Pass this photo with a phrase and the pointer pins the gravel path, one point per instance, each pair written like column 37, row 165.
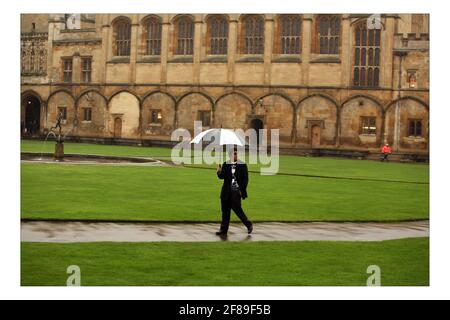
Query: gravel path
column 70, row 232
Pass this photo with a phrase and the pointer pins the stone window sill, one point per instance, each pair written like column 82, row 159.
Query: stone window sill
column 181, row 59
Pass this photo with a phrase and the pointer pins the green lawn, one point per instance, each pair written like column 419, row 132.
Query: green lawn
column 402, row 263
column 53, row 191
column 288, row 164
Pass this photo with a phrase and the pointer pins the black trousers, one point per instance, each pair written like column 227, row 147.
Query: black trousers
column 233, row 202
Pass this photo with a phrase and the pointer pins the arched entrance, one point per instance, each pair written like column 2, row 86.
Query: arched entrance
column 32, row 121
column 257, row 125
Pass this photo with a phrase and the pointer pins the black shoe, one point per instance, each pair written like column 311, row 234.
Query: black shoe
column 221, row 233
column 250, row 229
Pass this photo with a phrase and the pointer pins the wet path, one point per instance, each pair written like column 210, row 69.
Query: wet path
column 70, row 232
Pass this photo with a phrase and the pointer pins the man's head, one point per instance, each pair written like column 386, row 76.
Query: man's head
column 233, row 155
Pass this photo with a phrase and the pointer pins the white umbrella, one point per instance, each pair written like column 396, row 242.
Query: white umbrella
column 224, row 136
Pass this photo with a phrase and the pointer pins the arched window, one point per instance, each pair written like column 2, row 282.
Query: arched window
column 328, row 28
column 253, row 35
column 152, row 35
column 367, row 56
column 184, row 36
column 218, row 35
column 289, row 34
column 122, row 37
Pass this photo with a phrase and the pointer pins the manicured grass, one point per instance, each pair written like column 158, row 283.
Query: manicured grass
column 95, row 149
column 53, row 191
column 288, row 164
column 402, row 263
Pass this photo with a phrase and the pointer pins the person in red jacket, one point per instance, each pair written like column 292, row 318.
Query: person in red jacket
column 385, row 152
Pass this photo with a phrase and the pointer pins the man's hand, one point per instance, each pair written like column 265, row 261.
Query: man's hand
column 219, row 168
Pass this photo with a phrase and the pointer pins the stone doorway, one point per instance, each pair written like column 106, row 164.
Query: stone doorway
column 117, row 127
column 316, row 131
column 32, row 122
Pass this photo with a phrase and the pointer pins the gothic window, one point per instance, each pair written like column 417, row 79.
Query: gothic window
column 368, row 125
column 367, row 56
column 290, row 34
column 63, row 111
column 86, row 69
column 155, row 116
column 204, row 117
column 67, row 69
column 415, row 128
column 218, row 35
column 122, row 33
column 185, row 36
column 153, row 31
column 328, row 29
column 87, row 114
column 253, row 35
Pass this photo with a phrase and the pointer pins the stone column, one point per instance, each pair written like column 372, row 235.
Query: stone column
column 106, row 48
column 232, row 48
column 76, row 68
column 133, row 49
column 346, row 51
column 387, row 47
column 164, row 50
column 268, row 49
column 306, row 47
column 197, row 48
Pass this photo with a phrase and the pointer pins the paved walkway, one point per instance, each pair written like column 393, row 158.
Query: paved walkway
column 69, row 232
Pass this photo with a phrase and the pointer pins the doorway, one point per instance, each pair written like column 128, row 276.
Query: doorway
column 117, row 127
column 257, row 125
column 316, row 131
column 32, row 122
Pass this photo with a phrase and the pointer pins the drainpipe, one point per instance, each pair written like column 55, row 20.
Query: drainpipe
column 396, row 146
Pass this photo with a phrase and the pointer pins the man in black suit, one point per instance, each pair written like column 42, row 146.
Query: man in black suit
column 235, row 175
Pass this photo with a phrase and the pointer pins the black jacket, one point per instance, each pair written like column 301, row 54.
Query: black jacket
column 241, row 177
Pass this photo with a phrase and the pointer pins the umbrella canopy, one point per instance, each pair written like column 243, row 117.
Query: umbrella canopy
column 223, row 136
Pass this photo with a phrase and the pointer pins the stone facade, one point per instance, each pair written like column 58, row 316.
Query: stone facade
column 310, row 96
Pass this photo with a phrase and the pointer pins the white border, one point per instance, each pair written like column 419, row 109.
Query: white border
column 10, row 186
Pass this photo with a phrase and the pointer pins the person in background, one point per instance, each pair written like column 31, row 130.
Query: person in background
column 385, row 152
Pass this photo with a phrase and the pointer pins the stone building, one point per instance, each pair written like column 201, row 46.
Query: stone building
column 335, row 82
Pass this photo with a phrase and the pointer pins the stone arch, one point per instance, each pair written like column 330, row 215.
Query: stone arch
column 61, row 99
column 151, row 16
column 32, row 112
column 189, row 108
column 317, row 110
column 124, row 107
column 364, row 20
column 363, row 96
column 231, row 111
column 162, row 104
column 123, row 91
column 180, row 16
column 278, row 113
column 411, row 110
column 92, row 113
column 418, row 100
column 352, row 114
column 120, row 18
column 77, row 99
column 243, row 95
